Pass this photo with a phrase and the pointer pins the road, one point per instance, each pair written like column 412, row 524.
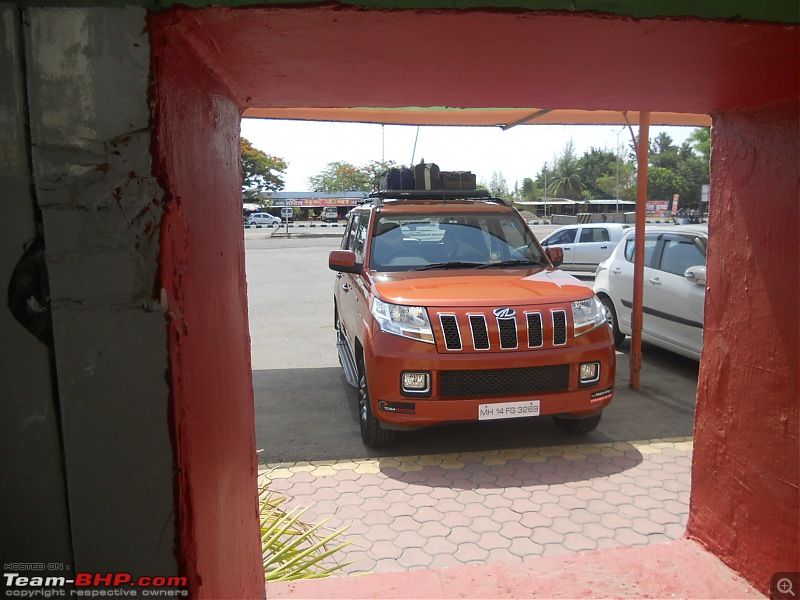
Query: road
column 306, row 411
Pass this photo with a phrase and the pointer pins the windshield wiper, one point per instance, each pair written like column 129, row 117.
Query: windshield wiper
column 512, row 263
column 450, row 265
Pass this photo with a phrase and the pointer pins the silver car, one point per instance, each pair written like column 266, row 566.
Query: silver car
column 674, row 287
column 585, row 245
column 264, row 219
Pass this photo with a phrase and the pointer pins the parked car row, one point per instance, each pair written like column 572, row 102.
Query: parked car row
column 586, row 245
column 267, row 219
column 674, row 278
column 329, row 214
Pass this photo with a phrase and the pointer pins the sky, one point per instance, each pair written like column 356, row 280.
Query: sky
column 308, row 147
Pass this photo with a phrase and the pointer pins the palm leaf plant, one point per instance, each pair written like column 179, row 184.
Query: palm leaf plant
column 293, row 549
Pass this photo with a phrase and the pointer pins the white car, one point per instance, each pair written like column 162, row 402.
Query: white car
column 674, row 287
column 264, row 219
column 585, row 245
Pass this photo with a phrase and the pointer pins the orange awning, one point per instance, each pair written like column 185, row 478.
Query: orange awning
column 476, row 117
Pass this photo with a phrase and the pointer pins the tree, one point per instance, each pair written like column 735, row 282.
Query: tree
column 343, row 176
column 260, row 171
column 498, row 186
column 675, row 170
column 662, row 183
column 700, row 139
column 565, row 182
column 593, row 166
column 610, row 183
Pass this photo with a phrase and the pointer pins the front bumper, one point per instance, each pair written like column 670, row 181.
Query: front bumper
column 389, row 356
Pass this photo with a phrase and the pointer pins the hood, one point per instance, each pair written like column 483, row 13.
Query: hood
column 478, row 288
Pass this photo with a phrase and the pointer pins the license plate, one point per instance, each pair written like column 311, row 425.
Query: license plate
column 508, row 410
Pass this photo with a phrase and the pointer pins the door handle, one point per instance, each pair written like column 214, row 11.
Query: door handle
column 603, row 247
column 567, row 248
column 616, row 270
column 655, row 281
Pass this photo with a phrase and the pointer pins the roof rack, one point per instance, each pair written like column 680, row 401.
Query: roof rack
column 381, row 195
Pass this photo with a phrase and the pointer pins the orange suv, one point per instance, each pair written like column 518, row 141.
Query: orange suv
column 447, row 309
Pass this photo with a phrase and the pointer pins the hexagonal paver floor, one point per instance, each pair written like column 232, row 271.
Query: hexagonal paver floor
column 415, row 512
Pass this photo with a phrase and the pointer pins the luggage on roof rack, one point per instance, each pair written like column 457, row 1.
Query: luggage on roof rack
column 430, row 194
column 397, row 179
column 381, row 196
column 457, row 180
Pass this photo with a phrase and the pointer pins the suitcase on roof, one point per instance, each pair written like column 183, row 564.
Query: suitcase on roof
column 397, row 179
column 458, row 180
column 426, row 177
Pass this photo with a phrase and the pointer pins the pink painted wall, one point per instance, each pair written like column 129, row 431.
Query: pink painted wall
column 745, row 504
column 202, row 275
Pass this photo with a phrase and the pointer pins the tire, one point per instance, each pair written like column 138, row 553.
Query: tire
column 619, row 337
column 578, row 426
column 372, row 434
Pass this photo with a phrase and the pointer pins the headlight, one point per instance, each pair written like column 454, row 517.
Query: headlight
column 406, row 321
column 587, row 314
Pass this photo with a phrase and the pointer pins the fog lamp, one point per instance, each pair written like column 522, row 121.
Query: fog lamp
column 589, row 372
column 416, row 383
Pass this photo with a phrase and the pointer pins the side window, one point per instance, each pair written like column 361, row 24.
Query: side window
column 347, row 237
column 594, row 234
column 680, row 254
column 565, row 237
column 649, row 246
column 360, row 236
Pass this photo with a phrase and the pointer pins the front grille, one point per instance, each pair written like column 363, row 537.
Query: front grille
column 461, row 331
column 492, row 383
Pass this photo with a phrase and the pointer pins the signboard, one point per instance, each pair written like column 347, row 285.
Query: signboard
column 705, row 190
column 656, row 208
column 675, row 204
column 304, row 202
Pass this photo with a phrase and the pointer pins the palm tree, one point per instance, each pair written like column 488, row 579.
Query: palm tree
column 566, row 182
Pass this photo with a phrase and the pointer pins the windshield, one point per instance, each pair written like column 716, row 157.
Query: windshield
column 430, row 241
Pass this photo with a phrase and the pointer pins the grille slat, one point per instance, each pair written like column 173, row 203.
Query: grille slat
column 508, row 333
column 480, row 334
column 493, row 383
column 559, row 327
column 535, row 337
column 452, row 337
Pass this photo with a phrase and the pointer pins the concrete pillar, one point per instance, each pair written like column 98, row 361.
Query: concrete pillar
column 203, row 287
column 33, row 505
column 88, row 76
column 745, row 505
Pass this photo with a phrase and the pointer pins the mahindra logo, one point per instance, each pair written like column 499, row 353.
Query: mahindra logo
column 504, row 313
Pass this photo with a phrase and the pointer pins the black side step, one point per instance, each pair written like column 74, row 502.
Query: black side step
column 347, row 360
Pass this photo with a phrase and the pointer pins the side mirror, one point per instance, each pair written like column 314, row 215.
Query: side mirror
column 696, row 275
column 556, row 256
column 343, row 261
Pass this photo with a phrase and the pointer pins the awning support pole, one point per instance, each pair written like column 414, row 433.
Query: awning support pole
column 642, row 152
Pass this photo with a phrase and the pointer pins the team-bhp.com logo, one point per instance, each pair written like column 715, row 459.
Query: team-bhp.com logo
column 93, row 585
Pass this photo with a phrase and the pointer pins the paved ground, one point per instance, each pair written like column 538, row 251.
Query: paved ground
column 434, row 511
column 681, row 569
